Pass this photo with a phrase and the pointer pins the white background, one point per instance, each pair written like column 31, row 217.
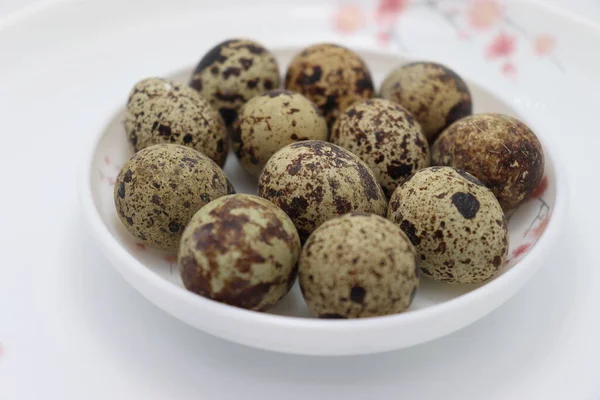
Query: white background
column 136, row 355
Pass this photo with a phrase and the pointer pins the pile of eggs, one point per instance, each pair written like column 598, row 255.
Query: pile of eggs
column 358, row 195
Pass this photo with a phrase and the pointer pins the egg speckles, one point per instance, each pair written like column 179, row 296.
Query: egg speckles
column 240, row 250
column 385, row 136
column 271, row 121
column 358, row 265
column 332, row 76
column 433, row 93
column 455, row 223
column 232, row 73
column 499, row 150
column 163, row 111
column 159, row 189
column 314, row 181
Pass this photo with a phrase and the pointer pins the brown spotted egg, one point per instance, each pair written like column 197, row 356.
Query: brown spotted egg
column 499, row 150
column 385, row 136
column 358, row 265
column 233, row 72
column 455, row 223
column 163, row 111
column 432, row 92
column 241, row 250
column 271, row 121
column 332, row 76
column 159, row 189
column 314, row 181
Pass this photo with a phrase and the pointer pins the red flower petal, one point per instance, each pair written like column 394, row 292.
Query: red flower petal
column 541, row 189
column 522, row 249
column 503, row 45
column 171, row 259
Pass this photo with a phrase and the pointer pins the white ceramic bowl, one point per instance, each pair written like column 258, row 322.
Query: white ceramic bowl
column 436, row 311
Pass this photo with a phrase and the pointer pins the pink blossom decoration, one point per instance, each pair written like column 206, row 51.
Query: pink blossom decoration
column 522, row 249
column 509, row 69
column 140, row 246
column 483, row 14
column 383, row 38
column 349, row 18
column 107, row 160
column 543, row 45
column 111, row 181
column 503, row 45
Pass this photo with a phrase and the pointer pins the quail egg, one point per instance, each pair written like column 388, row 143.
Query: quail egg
column 233, row 72
column 159, row 189
column 385, row 136
column 271, row 121
column 332, row 76
column 499, row 150
column 163, row 111
column 432, row 92
column 455, row 223
column 358, row 265
column 241, row 250
column 314, row 181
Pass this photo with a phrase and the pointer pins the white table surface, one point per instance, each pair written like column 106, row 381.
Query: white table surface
column 148, row 354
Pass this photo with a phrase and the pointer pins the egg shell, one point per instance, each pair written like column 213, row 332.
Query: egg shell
column 314, row 181
column 358, row 265
column 499, row 150
column 241, row 250
column 271, row 121
column 332, row 76
column 163, row 111
column 232, row 73
column 455, row 223
column 385, row 136
column 160, row 188
column 434, row 94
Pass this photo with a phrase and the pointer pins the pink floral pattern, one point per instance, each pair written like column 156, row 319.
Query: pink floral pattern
column 503, row 45
column 483, row 14
column 349, row 18
column 544, row 44
column 468, row 19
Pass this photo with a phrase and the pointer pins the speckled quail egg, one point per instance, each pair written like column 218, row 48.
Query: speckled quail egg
column 385, row 136
column 432, row 92
column 159, row 189
column 233, row 72
column 162, row 111
column 314, row 181
column 455, row 223
column 499, row 150
column 332, row 76
column 358, row 265
column 241, row 250
column 271, row 121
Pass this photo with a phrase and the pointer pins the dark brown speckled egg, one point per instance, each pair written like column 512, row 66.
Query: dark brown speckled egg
column 232, row 73
column 332, row 76
column 240, row 250
column 432, row 92
column 455, row 223
column 499, row 150
column 385, row 136
column 314, row 181
column 160, row 188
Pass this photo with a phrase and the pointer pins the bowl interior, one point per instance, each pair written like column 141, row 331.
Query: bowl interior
column 526, row 224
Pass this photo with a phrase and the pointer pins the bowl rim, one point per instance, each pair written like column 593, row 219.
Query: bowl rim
column 110, row 245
